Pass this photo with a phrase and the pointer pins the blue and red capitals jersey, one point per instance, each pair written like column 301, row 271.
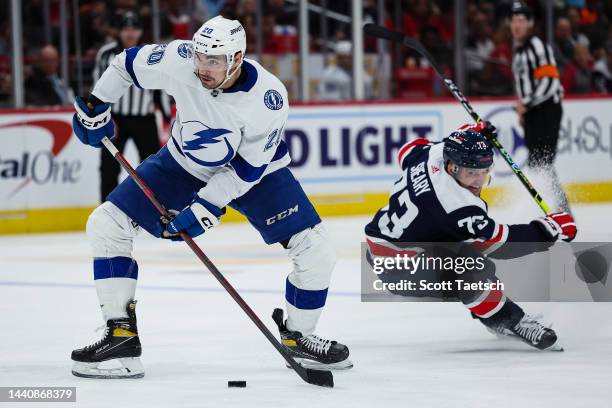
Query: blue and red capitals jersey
column 428, row 205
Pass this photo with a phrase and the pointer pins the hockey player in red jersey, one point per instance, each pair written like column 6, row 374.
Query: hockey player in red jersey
column 437, row 200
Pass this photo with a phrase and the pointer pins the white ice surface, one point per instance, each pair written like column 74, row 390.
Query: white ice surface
column 195, row 338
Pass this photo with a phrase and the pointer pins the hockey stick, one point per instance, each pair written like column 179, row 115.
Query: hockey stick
column 384, row 33
column 316, row 377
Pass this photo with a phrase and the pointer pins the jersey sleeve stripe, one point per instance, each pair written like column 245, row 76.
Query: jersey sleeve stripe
column 250, row 173
column 499, row 238
column 130, row 55
column 281, row 151
column 407, row 148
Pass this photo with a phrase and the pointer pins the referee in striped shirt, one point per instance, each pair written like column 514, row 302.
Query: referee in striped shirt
column 134, row 113
column 539, row 91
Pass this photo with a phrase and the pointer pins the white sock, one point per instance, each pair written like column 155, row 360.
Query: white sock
column 114, row 295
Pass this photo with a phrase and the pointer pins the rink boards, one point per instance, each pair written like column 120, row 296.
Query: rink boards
column 344, row 156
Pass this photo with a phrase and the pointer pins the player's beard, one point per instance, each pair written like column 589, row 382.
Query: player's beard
column 208, row 81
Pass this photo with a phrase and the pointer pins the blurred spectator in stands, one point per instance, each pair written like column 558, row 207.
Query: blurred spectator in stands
column 589, row 15
column 278, row 39
column 270, row 45
column 34, row 36
column 248, row 22
column 5, row 37
column 595, row 22
column 44, row 87
column 95, row 27
column 564, row 43
column 577, row 76
column 175, row 21
column 337, row 79
column 229, row 8
column 496, row 77
column 413, row 80
column 5, row 89
column 337, row 30
column 433, row 41
column 247, row 8
column 598, row 51
column 5, row 59
column 370, row 15
column 489, row 10
column 246, row 12
column 284, row 12
column 580, row 38
column 602, row 72
column 213, row 7
column 425, row 13
column 123, row 6
column 479, row 45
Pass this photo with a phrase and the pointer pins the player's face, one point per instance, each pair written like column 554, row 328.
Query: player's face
column 211, row 69
column 473, row 179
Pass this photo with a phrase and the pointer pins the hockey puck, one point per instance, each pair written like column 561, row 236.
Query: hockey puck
column 236, row 384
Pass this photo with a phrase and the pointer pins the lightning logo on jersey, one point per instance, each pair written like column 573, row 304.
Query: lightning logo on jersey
column 206, row 138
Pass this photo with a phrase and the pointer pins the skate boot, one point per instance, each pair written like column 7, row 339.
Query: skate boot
column 312, row 351
column 119, row 348
column 530, row 331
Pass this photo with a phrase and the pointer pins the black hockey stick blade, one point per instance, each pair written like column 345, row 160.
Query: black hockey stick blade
column 322, row 378
column 317, row 377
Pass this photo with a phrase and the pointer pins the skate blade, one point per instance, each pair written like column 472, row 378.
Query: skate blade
column 554, row 347
column 339, row 366
column 497, row 334
column 131, row 367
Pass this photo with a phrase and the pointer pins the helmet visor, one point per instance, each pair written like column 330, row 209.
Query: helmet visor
column 210, row 63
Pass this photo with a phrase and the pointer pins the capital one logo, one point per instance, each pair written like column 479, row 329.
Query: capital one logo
column 40, row 166
column 510, row 134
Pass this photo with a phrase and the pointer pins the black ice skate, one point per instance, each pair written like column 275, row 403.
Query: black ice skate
column 530, row 331
column 312, row 351
column 119, row 346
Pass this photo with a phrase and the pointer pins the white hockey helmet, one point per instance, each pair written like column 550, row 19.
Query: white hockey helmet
column 220, row 36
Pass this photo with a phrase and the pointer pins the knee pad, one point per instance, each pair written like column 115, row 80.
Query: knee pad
column 110, row 231
column 313, row 258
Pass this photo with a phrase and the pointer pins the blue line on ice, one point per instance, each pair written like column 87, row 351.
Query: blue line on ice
column 165, row 288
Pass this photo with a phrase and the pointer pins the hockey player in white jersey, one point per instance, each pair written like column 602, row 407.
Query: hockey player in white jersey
column 437, row 200
column 226, row 149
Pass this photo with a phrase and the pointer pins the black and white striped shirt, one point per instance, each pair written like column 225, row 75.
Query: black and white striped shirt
column 535, row 71
column 135, row 101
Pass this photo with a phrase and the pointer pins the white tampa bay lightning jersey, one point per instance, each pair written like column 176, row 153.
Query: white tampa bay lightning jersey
column 229, row 139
